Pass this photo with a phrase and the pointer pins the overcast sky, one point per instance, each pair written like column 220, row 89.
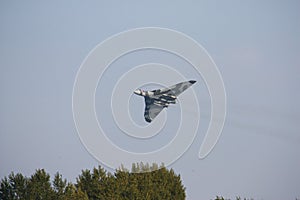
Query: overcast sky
column 255, row 45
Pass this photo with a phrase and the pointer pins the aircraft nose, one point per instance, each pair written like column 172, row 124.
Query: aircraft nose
column 137, row 92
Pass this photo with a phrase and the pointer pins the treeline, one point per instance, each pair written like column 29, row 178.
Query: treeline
column 144, row 182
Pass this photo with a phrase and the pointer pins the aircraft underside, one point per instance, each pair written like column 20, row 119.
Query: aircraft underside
column 157, row 100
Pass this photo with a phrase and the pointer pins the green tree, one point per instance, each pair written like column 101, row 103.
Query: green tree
column 14, row 187
column 71, row 193
column 39, row 186
column 6, row 191
column 148, row 184
column 19, row 185
column 97, row 185
column 59, row 186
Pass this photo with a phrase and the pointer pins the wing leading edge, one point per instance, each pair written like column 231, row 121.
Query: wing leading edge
column 175, row 89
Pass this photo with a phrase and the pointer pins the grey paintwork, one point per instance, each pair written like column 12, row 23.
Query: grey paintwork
column 157, row 100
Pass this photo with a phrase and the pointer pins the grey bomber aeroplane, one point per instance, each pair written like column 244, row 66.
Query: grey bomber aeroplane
column 157, row 100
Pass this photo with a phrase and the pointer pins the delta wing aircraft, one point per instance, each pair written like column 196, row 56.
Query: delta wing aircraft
column 157, row 100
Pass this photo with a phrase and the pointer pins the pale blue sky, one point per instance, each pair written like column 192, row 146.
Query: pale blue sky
column 255, row 44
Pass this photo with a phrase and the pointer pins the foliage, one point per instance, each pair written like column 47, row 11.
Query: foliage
column 143, row 182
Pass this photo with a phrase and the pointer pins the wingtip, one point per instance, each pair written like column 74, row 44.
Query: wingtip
column 148, row 120
column 192, row 81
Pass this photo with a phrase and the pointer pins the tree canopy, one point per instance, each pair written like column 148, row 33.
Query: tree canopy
column 144, row 182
